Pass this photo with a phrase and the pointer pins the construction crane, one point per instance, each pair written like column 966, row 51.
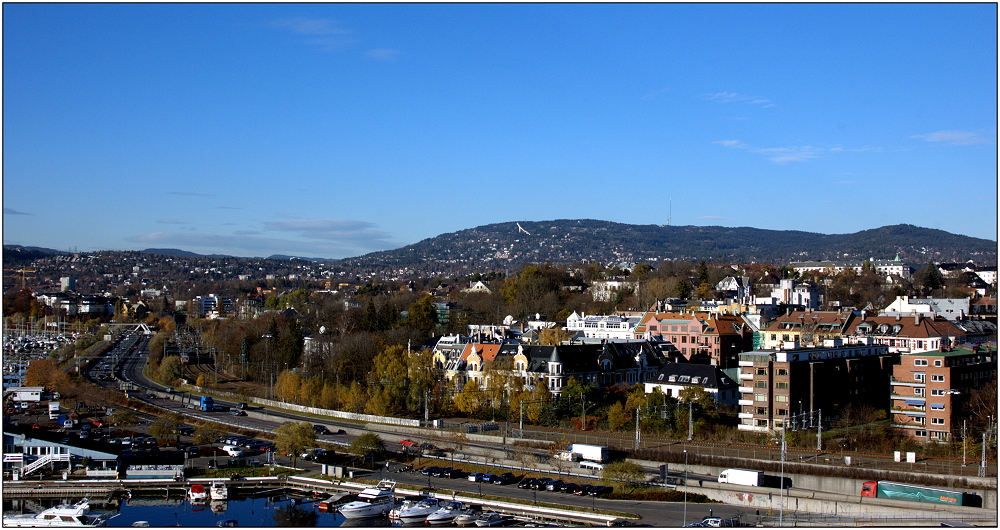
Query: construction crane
column 23, row 270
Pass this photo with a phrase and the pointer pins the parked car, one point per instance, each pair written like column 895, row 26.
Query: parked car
column 320, row 429
column 488, row 478
column 454, row 473
column 541, row 484
column 582, row 489
column 598, row 490
column 506, row 478
column 527, row 482
column 567, row 487
column 554, row 485
column 475, row 477
column 429, row 470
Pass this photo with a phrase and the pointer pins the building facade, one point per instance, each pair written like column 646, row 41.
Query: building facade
column 929, row 390
column 777, row 383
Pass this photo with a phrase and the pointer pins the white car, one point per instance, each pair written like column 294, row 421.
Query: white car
column 232, row 450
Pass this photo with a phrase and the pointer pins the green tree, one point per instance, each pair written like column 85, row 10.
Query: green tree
column 623, row 474
column 368, row 445
column 123, row 418
column 162, row 428
column 423, row 315
column 170, row 369
column 294, row 437
column 389, row 381
column 617, row 416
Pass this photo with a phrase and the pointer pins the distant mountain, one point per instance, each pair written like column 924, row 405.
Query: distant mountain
column 506, row 245
column 316, row 260
column 179, row 252
column 18, row 253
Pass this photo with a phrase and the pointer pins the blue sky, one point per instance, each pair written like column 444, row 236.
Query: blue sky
column 330, row 130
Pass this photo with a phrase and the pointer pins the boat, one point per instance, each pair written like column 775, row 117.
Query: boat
column 218, row 491
column 417, row 513
column 197, row 493
column 228, row 523
column 218, row 506
column 468, row 516
column 494, row 519
column 141, row 524
column 335, row 501
column 407, row 501
column 63, row 515
column 446, row 513
column 373, row 501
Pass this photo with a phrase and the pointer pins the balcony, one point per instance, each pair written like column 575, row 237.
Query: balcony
column 909, row 412
column 746, row 363
column 895, row 381
column 745, row 376
column 745, row 415
column 746, row 390
column 903, row 396
column 746, row 402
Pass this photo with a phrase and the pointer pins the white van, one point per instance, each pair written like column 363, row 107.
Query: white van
column 232, row 450
column 593, row 466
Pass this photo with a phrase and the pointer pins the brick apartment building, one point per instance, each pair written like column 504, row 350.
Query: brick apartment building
column 929, row 390
column 777, row 383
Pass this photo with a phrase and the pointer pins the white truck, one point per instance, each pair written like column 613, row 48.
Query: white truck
column 743, row 477
column 594, row 453
column 568, row 456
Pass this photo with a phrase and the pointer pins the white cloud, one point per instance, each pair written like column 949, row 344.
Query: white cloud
column 735, row 97
column 360, row 232
column 731, row 143
column 784, row 155
column 382, row 54
column 312, row 26
column 169, row 222
column 952, row 137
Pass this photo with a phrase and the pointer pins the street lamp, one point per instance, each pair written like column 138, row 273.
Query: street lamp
column 685, row 486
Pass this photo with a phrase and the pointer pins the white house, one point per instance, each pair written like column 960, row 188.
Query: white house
column 675, row 377
column 603, row 326
column 950, row 308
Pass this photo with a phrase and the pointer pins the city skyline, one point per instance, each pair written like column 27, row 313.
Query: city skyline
column 334, row 130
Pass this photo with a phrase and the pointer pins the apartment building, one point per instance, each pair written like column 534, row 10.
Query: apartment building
column 807, row 327
column 602, row 326
column 930, row 388
column 713, row 338
column 905, row 334
column 777, row 383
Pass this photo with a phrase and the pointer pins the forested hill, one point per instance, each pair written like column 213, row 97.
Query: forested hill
column 505, row 245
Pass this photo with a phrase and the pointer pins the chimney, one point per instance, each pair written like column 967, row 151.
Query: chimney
column 916, row 319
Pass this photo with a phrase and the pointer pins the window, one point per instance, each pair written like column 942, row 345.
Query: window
column 938, row 362
column 781, row 412
column 937, row 421
column 937, row 378
column 782, row 371
column 774, row 336
column 760, row 397
column 762, row 371
column 919, row 376
column 781, row 386
column 672, row 378
column 684, row 339
column 937, row 392
column 921, row 434
column 762, row 423
column 673, row 328
column 782, row 399
column 684, row 379
column 937, row 406
column 918, row 391
column 919, row 362
column 761, row 411
column 760, row 384
column 652, row 328
column 784, row 337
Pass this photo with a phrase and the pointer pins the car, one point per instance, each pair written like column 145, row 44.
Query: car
column 541, row 483
column 169, row 390
column 598, row 490
column 527, row 482
column 454, row 473
column 429, row 470
column 241, row 406
column 237, row 412
column 440, row 472
column 489, row 478
column 567, row 487
column 716, row 522
column 475, row 477
column 320, row 429
column 554, row 485
column 150, row 396
column 186, row 431
column 505, row 478
column 582, row 489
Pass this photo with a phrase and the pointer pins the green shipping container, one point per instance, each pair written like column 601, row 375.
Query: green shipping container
column 910, row 492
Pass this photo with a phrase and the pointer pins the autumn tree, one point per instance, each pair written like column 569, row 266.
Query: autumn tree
column 616, row 474
column 294, row 437
column 389, row 381
column 470, row 399
column 617, row 416
column 170, row 369
column 46, row 373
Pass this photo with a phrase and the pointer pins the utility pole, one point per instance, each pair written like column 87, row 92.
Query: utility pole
column 637, row 409
column 426, row 406
column 520, row 418
column 583, row 424
column 819, row 431
column 963, row 443
column 690, row 421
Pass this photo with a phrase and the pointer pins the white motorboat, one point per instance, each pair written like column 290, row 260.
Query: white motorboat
column 218, row 491
column 197, row 493
column 468, row 516
column 446, row 513
column 493, row 519
column 372, row 501
column 418, row 512
column 63, row 515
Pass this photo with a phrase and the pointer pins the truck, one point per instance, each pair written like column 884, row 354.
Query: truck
column 568, row 456
column 594, row 453
column 207, row 404
column 743, row 477
column 884, row 489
